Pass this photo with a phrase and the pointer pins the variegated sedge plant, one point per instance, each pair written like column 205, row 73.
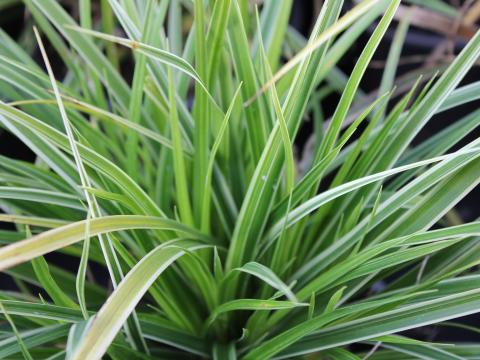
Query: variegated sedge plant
column 184, row 188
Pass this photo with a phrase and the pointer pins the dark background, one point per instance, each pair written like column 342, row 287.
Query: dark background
column 418, row 43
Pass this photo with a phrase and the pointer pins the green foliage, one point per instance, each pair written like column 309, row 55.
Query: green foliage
column 185, row 188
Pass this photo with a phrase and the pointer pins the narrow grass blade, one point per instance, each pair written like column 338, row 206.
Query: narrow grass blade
column 184, row 205
column 124, row 299
column 264, row 273
column 252, row 304
column 67, row 235
column 23, row 348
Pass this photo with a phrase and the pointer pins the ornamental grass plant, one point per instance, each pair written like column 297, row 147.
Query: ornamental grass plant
column 165, row 176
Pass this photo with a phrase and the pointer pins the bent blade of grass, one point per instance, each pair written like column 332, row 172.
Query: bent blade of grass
column 267, row 275
column 252, row 304
column 124, row 299
column 162, row 56
column 21, row 181
column 58, row 238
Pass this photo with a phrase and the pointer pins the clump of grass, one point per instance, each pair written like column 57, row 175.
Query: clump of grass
column 216, row 242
